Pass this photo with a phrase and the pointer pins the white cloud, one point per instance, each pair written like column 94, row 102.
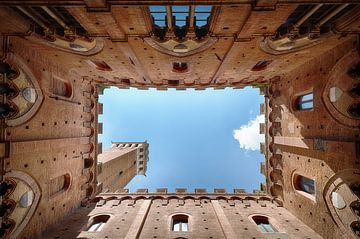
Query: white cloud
column 248, row 135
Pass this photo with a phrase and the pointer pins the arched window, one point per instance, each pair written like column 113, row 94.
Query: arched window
column 355, row 226
column 261, row 65
column 59, row 184
column 304, row 184
column 263, row 224
column 61, row 87
column 97, row 223
column 355, row 91
column 355, row 207
column 355, row 188
column 354, row 110
column 180, row 223
column 304, row 102
column 99, row 65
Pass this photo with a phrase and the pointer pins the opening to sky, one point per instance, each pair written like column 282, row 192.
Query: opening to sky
column 197, row 139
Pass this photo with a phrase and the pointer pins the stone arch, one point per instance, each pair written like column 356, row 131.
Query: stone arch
column 78, row 46
column 34, row 187
column 335, row 94
column 59, row 184
column 33, row 91
column 340, row 207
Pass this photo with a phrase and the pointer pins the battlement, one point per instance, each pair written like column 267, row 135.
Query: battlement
column 181, row 194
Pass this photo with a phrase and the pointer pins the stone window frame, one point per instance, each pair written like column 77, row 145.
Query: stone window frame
column 66, row 188
column 68, row 84
column 296, row 100
column 92, row 219
column 273, row 222
column 170, row 222
column 300, row 192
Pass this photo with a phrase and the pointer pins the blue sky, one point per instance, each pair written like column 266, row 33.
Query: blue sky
column 197, row 139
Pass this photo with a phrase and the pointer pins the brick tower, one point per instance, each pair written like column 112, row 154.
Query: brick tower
column 121, row 163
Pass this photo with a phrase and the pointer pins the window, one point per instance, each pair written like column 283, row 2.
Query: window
column 61, row 87
column 59, row 184
column 202, row 14
column 99, row 65
column 261, row 65
column 304, row 184
column 180, row 15
column 88, row 162
column 159, row 15
column 355, row 226
column 98, row 223
column 305, row 102
column 355, row 91
column 355, row 207
column 354, row 110
column 180, row 20
column 263, row 224
column 180, row 223
column 355, row 188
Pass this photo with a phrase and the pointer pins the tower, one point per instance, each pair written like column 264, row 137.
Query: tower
column 118, row 165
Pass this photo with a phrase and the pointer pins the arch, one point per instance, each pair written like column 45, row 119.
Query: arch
column 250, row 198
column 355, row 227
column 61, row 87
column 126, row 198
column 261, row 65
column 99, row 65
column 286, row 45
column 29, row 181
column 221, row 198
column 173, row 197
column 189, row 197
column 180, row 222
column 335, row 95
column 7, row 226
column 265, row 199
column 110, row 198
column 34, row 92
column 140, row 198
column 96, row 223
column 186, row 48
column 79, row 46
column 236, row 198
column 263, row 223
column 355, row 207
column 157, row 197
column 59, row 185
column 97, row 199
column 204, row 197
column 304, row 185
column 340, row 183
column 304, row 101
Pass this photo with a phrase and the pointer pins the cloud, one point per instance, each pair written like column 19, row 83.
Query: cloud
column 248, row 135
